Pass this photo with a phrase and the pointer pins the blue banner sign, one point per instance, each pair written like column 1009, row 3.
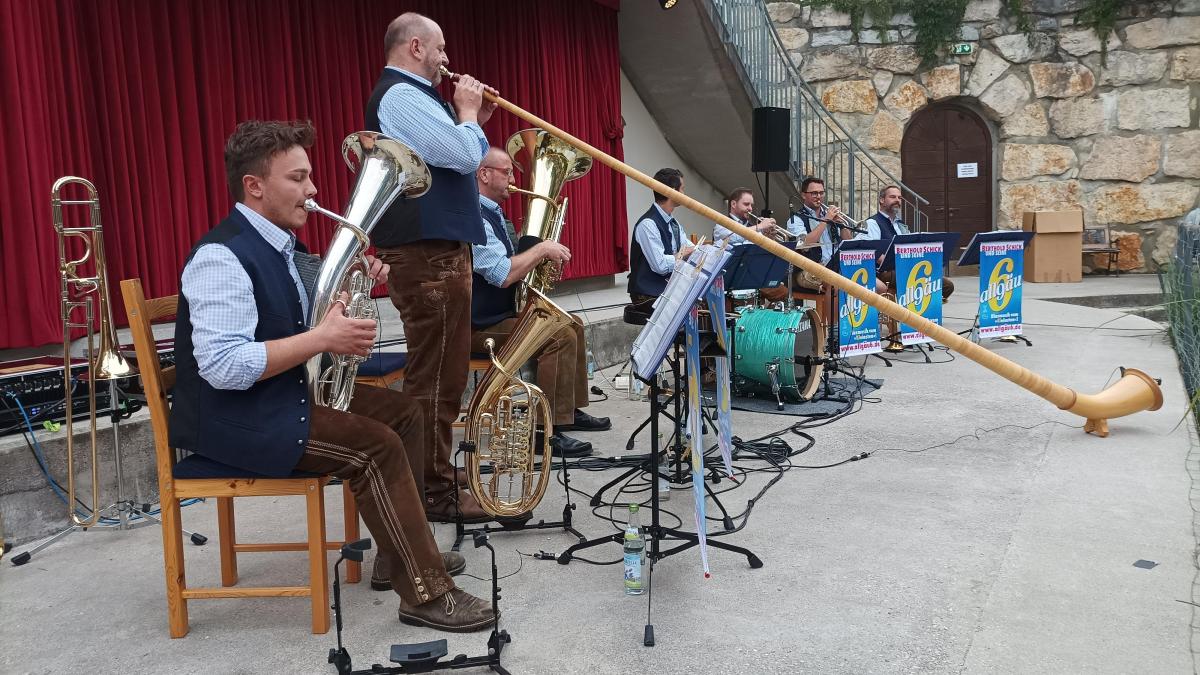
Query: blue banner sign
column 1001, row 272
column 858, row 322
column 919, row 286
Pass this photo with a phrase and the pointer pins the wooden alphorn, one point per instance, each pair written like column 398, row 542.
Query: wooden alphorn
column 1135, row 391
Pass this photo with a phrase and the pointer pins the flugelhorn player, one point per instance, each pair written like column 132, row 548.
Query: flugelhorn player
column 741, row 209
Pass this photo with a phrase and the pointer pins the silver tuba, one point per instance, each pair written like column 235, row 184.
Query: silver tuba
column 387, row 169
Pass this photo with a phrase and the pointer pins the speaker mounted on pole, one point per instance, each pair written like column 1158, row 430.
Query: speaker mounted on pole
column 772, row 140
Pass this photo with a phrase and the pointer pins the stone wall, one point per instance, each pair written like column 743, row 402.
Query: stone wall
column 1119, row 140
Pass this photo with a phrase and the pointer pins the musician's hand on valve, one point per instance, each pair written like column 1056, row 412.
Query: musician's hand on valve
column 377, row 269
column 343, row 335
column 766, row 225
column 554, row 251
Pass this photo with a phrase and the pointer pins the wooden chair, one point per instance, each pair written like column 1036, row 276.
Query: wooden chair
column 1099, row 240
column 195, row 476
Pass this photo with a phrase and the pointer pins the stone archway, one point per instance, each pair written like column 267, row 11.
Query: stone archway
column 946, row 154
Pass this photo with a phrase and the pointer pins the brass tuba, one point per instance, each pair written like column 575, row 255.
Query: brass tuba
column 88, row 293
column 546, row 164
column 387, row 169
column 506, row 413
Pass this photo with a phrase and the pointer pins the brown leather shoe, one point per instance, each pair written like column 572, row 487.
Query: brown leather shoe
column 440, row 508
column 457, row 612
column 381, row 577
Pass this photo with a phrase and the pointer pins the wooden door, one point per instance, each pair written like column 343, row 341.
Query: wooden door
column 943, row 146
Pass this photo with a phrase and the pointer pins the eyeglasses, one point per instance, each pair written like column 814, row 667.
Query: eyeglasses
column 506, row 171
column 814, row 192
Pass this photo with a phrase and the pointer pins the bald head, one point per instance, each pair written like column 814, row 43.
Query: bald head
column 495, row 174
column 415, row 43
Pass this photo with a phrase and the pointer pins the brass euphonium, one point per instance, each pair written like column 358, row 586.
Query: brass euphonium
column 546, row 164
column 506, row 414
column 88, row 293
column 386, row 169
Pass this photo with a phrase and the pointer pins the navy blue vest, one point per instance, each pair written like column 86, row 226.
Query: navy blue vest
column 886, row 229
column 263, row 429
column 448, row 211
column 491, row 304
column 643, row 280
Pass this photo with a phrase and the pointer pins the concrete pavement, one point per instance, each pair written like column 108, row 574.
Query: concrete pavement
column 986, row 533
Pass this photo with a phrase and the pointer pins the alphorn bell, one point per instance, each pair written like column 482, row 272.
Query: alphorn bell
column 1134, row 392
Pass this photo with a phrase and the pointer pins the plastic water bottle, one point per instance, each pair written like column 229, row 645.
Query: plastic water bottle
column 635, row 553
column 591, row 364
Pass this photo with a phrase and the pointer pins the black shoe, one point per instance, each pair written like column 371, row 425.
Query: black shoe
column 567, row 447
column 585, row 422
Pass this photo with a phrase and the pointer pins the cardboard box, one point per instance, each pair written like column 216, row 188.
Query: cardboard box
column 1056, row 253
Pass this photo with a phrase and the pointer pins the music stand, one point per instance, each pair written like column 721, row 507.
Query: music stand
column 752, row 267
column 947, row 239
column 970, row 256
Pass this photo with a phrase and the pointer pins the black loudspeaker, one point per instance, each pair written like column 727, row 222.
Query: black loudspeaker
column 772, row 141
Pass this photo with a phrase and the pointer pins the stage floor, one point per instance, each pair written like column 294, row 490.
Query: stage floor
column 986, row 533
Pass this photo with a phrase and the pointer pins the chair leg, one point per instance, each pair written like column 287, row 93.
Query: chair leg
column 350, row 511
column 173, row 565
column 226, row 535
column 318, row 573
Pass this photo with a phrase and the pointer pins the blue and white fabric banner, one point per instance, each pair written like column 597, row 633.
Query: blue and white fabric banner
column 858, row 322
column 919, row 286
column 1001, row 272
column 694, row 433
column 716, row 307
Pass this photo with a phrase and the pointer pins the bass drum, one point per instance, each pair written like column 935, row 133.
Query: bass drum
column 778, row 349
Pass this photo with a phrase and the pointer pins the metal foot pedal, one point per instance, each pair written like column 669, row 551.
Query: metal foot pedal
column 419, row 652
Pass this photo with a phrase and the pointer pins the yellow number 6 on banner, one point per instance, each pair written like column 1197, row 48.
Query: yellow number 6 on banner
column 918, row 287
column 1001, row 274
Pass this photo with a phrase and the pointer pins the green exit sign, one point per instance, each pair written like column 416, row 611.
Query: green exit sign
column 961, row 48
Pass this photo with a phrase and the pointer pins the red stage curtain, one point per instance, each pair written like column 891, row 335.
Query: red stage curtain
column 139, row 96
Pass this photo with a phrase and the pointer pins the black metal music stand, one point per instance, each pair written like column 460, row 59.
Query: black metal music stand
column 657, row 534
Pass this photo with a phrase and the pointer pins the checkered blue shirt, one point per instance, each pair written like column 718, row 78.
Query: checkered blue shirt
column 224, row 316
column 490, row 260
column 413, row 118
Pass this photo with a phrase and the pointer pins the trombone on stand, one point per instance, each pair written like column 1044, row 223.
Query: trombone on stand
column 87, row 295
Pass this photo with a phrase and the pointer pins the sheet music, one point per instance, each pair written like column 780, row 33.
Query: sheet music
column 689, row 280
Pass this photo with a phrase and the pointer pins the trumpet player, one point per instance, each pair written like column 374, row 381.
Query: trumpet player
column 741, row 209
column 812, row 224
column 498, row 271
column 427, row 240
column 241, row 395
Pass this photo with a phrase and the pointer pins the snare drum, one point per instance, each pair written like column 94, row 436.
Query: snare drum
column 785, row 345
column 738, row 300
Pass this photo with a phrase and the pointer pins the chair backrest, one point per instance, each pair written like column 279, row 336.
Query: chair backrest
column 142, row 313
column 1096, row 237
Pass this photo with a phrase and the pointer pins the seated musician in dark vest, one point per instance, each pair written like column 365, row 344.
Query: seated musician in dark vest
column 657, row 243
column 886, row 224
column 241, row 395
column 498, row 271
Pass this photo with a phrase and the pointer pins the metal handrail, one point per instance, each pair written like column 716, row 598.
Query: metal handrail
column 821, row 144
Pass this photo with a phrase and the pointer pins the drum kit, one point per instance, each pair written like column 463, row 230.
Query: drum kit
column 777, row 349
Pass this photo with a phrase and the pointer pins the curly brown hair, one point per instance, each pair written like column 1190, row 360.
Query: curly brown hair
column 252, row 145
